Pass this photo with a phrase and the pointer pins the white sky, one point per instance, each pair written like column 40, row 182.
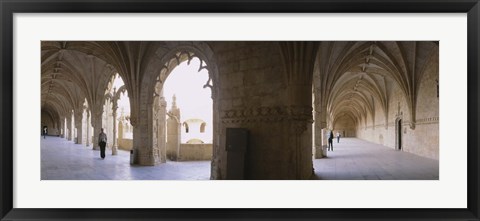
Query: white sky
column 193, row 100
column 123, row 102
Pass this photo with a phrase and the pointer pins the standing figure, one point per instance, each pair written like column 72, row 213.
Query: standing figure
column 102, row 142
column 330, row 140
column 44, row 132
column 338, row 137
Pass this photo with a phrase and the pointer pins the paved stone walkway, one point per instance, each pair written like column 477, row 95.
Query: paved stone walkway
column 64, row 160
column 352, row 159
column 355, row 159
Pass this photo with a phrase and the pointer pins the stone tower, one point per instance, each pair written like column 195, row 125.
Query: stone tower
column 173, row 130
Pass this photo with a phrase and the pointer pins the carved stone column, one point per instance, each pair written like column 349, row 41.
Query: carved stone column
column 280, row 133
column 319, row 125
column 70, row 128
column 114, row 141
column 65, row 127
column 62, row 128
column 161, row 126
column 299, row 58
column 78, row 125
column 88, row 129
column 97, row 125
column 143, row 152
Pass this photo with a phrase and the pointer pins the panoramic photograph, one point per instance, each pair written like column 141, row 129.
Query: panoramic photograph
column 239, row 110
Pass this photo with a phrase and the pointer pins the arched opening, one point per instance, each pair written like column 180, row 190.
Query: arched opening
column 345, row 125
column 182, row 111
column 117, row 125
column 185, row 125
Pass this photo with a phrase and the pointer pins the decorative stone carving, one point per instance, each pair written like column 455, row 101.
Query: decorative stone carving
column 268, row 114
column 430, row 120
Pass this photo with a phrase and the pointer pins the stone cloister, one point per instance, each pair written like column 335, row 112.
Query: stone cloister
column 286, row 95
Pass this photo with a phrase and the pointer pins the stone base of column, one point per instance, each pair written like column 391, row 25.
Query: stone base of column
column 114, row 150
column 145, row 158
column 320, row 152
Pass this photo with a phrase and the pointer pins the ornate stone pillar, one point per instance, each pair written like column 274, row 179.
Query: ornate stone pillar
column 299, row 59
column 114, row 136
column 78, row 125
column 161, row 126
column 65, row 128
column 97, row 125
column 69, row 127
column 280, row 130
column 319, row 124
column 88, row 129
column 62, row 127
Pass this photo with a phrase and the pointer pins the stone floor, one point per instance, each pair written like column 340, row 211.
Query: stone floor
column 355, row 159
column 64, row 160
column 352, row 159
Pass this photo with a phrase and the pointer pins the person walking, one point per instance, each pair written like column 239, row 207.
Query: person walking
column 330, row 141
column 338, row 137
column 44, row 132
column 102, row 142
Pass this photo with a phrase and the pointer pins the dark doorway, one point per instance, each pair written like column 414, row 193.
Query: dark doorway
column 399, row 134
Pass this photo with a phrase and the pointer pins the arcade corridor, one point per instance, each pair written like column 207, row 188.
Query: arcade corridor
column 352, row 159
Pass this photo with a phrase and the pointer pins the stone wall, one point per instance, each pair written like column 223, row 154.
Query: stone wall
column 345, row 125
column 423, row 139
column 253, row 95
column 194, row 152
column 125, row 144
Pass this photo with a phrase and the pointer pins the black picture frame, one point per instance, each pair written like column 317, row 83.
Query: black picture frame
column 9, row 7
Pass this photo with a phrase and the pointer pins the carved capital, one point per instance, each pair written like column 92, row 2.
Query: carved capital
column 96, row 116
column 78, row 115
column 412, row 125
column 133, row 121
